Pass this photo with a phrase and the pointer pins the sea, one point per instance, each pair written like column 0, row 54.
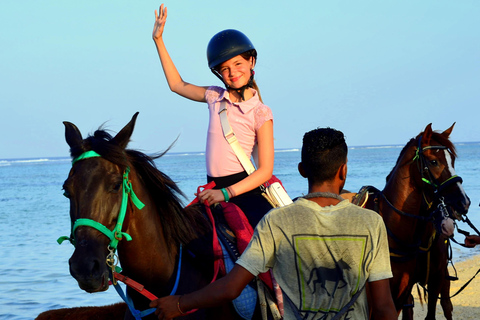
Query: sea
column 34, row 275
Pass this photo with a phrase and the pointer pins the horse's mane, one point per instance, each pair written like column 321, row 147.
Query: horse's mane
column 178, row 223
column 443, row 140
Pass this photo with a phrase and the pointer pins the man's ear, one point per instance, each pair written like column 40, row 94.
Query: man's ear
column 343, row 172
column 301, row 170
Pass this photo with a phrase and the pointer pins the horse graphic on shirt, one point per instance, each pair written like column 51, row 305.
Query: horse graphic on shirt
column 321, row 275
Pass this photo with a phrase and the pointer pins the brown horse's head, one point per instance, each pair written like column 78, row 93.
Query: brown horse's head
column 106, row 187
column 94, row 188
column 427, row 163
column 437, row 168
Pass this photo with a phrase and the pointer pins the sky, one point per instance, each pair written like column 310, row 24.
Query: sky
column 379, row 71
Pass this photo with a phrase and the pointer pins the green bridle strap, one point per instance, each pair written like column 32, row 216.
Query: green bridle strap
column 86, row 155
column 116, row 234
column 441, row 184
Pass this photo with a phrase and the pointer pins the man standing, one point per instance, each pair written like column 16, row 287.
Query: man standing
column 322, row 249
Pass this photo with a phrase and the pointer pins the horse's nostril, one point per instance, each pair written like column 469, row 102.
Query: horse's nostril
column 95, row 267
column 82, row 243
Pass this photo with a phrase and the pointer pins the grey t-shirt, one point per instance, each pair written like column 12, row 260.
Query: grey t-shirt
column 320, row 256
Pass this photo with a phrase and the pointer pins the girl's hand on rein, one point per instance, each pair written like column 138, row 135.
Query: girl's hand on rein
column 211, row 195
column 160, row 19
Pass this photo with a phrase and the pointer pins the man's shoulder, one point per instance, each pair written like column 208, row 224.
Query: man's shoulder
column 297, row 205
column 364, row 213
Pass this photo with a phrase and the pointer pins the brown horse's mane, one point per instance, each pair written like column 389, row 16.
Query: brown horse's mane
column 180, row 224
column 443, row 140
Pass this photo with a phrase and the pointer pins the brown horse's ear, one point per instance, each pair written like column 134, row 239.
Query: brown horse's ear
column 123, row 137
column 447, row 132
column 427, row 134
column 72, row 135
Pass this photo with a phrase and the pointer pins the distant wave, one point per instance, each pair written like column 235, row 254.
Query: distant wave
column 287, row 150
column 4, row 163
column 180, row 154
column 9, row 162
column 377, row 147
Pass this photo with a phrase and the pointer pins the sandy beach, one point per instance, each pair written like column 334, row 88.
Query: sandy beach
column 466, row 305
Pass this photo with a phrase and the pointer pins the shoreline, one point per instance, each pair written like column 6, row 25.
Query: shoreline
column 466, row 305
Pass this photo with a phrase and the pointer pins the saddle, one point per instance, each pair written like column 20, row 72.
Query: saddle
column 234, row 233
column 367, row 194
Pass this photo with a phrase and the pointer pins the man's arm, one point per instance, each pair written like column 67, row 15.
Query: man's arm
column 381, row 301
column 472, row 241
column 223, row 290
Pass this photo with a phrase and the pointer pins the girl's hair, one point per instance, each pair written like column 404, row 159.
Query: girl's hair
column 252, row 83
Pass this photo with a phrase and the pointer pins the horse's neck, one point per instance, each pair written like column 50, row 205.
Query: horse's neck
column 148, row 258
column 403, row 196
column 400, row 188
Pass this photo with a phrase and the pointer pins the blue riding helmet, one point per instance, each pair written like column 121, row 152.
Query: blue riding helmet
column 227, row 44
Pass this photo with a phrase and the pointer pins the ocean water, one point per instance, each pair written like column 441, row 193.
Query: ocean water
column 34, row 274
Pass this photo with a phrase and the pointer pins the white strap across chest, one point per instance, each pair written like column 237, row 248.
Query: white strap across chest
column 233, row 141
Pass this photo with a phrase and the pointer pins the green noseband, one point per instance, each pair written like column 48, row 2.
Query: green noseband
column 116, row 234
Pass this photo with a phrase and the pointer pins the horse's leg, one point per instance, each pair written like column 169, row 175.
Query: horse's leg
column 445, row 298
column 433, row 292
column 438, row 282
column 407, row 310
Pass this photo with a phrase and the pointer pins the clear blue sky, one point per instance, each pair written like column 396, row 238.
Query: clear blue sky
column 380, row 71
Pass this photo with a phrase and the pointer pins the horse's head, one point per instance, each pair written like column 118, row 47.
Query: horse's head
column 435, row 157
column 95, row 186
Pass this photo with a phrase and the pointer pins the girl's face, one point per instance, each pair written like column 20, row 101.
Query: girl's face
column 236, row 72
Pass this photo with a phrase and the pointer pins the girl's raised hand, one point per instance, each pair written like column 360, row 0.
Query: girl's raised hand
column 160, row 19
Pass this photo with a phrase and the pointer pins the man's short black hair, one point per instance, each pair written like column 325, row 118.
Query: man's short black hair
column 324, row 150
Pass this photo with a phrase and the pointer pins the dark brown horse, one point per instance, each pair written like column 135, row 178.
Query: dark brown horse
column 103, row 174
column 422, row 178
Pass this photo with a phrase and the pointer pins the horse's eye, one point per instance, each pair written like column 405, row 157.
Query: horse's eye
column 116, row 186
column 434, row 163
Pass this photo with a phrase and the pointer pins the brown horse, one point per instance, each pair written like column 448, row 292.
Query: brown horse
column 422, row 178
column 104, row 173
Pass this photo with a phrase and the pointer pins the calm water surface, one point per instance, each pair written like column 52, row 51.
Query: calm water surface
column 34, row 274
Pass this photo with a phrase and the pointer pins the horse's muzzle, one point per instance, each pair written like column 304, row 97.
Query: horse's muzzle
column 90, row 272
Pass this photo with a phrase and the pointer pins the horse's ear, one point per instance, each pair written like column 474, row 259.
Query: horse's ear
column 123, row 137
column 72, row 135
column 447, row 132
column 427, row 134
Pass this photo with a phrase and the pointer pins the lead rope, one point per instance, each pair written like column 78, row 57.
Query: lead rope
column 138, row 315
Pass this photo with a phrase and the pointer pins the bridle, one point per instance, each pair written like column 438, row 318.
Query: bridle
column 428, row 178
column 437, row 215
column 116, row 234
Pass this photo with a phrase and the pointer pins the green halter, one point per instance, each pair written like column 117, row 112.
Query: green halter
column 116, row 234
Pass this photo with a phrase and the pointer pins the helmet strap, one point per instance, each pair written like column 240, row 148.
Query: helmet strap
column 241, row 90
